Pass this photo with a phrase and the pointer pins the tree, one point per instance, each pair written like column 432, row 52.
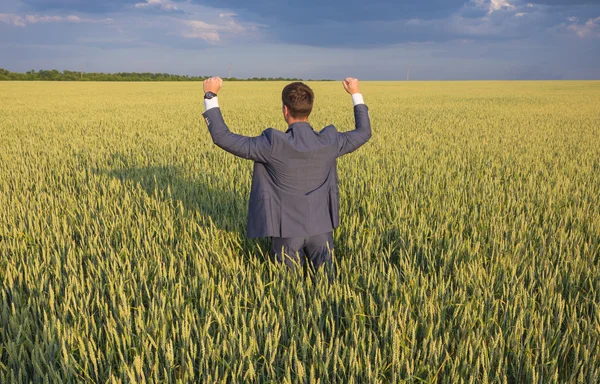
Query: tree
column 68, row 75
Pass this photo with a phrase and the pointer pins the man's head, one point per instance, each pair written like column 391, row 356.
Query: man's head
column 297, row 99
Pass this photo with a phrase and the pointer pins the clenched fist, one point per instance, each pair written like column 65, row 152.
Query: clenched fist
column 212, row 84
column 351, row 85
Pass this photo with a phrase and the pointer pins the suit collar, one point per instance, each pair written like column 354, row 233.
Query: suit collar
column 301, row 125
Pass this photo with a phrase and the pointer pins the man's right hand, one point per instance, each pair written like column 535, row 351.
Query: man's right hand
column 212, row 84
column 351, row 85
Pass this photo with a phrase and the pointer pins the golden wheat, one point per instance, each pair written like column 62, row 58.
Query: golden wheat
column 469, row 249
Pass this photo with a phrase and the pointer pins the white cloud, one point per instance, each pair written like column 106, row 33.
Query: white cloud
column 590, row 29
column 211, row 37
column 529, row 5
column 231, row 26
column 213, row 32
column 165, row 5
column 12, row 19
column 22, row 21
column 493, row 5
column 496, row 5
column 520, row 14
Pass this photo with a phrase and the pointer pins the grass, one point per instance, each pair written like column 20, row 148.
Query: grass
column 469, row 246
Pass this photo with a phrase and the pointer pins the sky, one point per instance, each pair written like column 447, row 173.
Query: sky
column 309, row 39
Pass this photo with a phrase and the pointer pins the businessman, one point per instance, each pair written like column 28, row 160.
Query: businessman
column 294, row 197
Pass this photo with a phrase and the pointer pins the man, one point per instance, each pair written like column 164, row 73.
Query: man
column 294, row 197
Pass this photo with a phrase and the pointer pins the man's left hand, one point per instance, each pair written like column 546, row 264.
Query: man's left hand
column 213, row 84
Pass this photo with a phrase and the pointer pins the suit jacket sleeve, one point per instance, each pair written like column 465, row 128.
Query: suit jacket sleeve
column 352, row 140
column 257, row 148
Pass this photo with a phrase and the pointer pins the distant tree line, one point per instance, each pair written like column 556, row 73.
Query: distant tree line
column 66, row 75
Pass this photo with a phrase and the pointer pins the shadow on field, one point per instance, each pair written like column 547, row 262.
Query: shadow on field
column 409, row 255
column 167, row 183
column 226, row 209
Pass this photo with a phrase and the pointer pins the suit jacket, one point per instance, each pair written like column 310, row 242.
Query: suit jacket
column 294, row 186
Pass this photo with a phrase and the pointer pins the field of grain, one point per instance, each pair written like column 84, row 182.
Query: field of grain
column 469, row 246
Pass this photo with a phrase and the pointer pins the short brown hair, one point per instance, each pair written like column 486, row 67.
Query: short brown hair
column 298, row 97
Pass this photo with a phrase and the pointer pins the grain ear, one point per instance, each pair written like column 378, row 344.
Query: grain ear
column 467, row 251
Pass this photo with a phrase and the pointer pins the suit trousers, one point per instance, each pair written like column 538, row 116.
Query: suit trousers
column 294, row 251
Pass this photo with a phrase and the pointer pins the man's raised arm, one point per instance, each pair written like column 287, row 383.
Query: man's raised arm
column 253, row 148
column 352, row 140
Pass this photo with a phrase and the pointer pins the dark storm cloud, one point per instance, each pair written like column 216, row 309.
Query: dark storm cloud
column 442, row 39
column 362, row 23
column 298, row 12
column 99, row 7
column 348, row 11
column 78, row 5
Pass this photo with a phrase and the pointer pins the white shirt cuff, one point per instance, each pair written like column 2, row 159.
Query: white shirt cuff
column 211, row 103
column 357, row 98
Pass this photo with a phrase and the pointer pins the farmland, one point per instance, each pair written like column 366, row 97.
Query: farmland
column 468, row 251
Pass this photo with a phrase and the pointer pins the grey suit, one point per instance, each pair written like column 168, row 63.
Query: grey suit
column 294, row 190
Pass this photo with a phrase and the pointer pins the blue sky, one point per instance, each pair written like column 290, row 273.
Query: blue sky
column 368, row 39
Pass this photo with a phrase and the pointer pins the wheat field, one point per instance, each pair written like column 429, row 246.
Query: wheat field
column 468, row 251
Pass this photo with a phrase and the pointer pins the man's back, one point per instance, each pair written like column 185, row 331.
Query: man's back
column 294, row 185
column 302, row 158
column 294, row 196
